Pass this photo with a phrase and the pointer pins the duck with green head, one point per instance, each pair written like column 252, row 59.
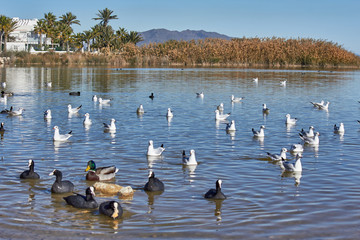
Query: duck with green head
column 101, row 173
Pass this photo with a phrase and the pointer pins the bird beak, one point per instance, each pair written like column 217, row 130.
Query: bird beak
column 87, row 168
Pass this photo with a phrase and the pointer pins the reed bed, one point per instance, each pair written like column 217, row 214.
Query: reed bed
column 239, row 52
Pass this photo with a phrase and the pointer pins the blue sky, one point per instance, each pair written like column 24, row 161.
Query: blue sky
column 333, row 20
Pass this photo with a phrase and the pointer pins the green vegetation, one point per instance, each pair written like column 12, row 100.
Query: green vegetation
column 118, row 47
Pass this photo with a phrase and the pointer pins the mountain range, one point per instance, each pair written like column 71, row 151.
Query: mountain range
column 162, row 35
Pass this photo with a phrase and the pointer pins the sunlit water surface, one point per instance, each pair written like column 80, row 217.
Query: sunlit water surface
column 262, row 202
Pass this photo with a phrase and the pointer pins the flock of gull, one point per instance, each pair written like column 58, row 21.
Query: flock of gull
column 113, row 208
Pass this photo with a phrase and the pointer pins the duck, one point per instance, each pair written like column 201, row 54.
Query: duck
column 169, row 113
column 94, row 98
column 290, row 120
column 140, row 109
column 60, row 186
column 61, row 137
column 311, row 140
column 81, row 201
column 290, row 167
column 151, row 96
column 104, row 101
column 111, row 126
column 151, row 151
column 111, row 209
column 16, row 112
column 260, row 133
column 215, row 194
column 236, row 99
column 74, row 110
column 47, row 114
column 339, row 129
column 265, row 109
column 219, row 116
column 74, row 93
column 310, row 133
column 276, row 157
column 87, row 121
column 200, row 95
column 154, row 184
column 191, row 160
column 220, row 107
column 101, row 173
column 8, row 94
column 296, row 148
column 231, row 126
column 317, row 104
column 30, row 174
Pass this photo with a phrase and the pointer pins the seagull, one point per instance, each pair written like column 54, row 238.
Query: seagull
column 290, row 167
column 260, row 133
column 73, row 110
column 265, row 109
column 324, row 106
column 255, row 80
column 49, row 84
column 219, row 116
column 296, row 148
column 339, row 129
column 236, row 99
column 290, row 120
column 276, row 157
column 47, row 114
column 220, row 107
column 16, row 112
column 151, row 151
column 169, row 113
column 358, row 121
column 3, row 84
column 200, row 95
column 95, row 98
column 230, row 126
column 3, row 99
column 283, row 83
column 140, row 109
column 308, row 134
column 191, row 160
column 111, row 126
column 87, row 120
column 61, row 137
column 311, row 140
column 317, row 104
column 104, row 101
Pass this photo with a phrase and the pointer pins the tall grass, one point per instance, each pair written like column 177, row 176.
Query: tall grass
column 239, row 52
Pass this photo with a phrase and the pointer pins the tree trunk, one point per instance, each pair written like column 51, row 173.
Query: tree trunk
column 67, row 46
column 88, row 46
column 5, row 40
column 40, row 45
column 1, row 42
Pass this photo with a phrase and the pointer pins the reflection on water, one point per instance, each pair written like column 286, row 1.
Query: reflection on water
column 260, row 199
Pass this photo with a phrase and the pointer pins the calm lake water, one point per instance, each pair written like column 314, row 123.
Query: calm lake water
column 262, row 202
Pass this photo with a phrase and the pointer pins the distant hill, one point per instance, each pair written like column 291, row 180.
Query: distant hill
column 163, row 35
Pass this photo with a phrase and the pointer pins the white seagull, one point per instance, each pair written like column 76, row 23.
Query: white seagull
column 310, row 133
column 311, row 140
column 231, row 126
column 16, row 112
column 236, row 99
column 95, row 98
column 111, row 126
column 74, row 110
column 151, row 151
column 290, row 120
column 296, row 148
column 61, row 137
column 283, row 83
column 219, row 116
column 255, row 80
column 3, row 84
column 140, row 109
column 339, row 129
column 324, row 106
column 87, row 121
column 169, row 113
column 191, row 160
column 277, row 157
column 104, row 101
column 47, row 114
column 200, row 95
column 49, row 84
column 220, row 107
column 260, row 133
column 317, row 104
column 290, row 167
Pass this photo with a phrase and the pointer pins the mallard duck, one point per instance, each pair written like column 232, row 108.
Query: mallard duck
column 101, row 173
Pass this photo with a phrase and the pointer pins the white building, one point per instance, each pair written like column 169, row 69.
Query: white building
column 24, row 35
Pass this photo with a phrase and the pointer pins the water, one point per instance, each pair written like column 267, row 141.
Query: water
column 262, row 202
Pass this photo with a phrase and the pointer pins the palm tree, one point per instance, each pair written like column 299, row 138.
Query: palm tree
column 40, row 29
column 134, row 37
column 3, row 20
column 87, row 37
column 105, row 16
column 50, row 21
column 68, row 19
column 7, row 25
